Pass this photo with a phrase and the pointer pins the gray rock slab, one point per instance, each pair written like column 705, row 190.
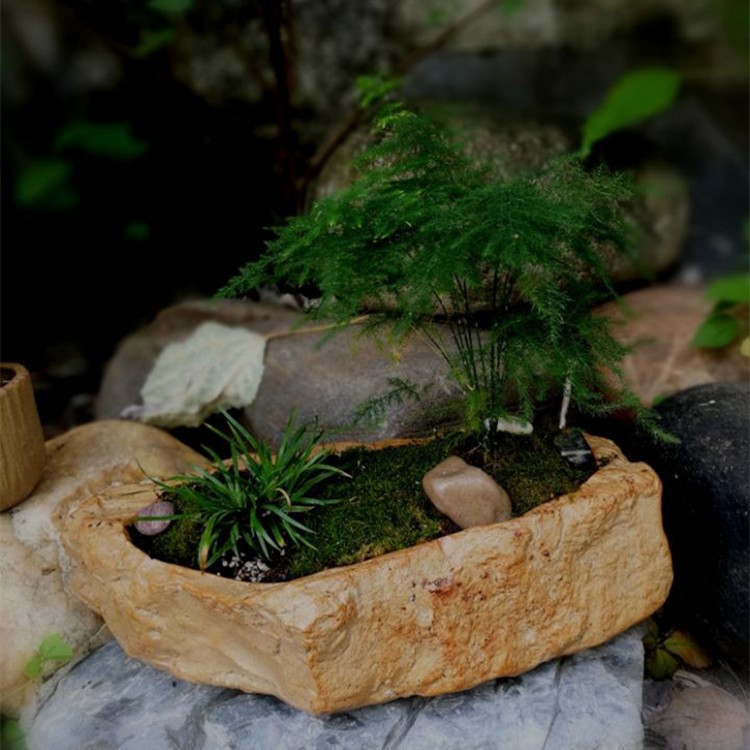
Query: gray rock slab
column 108, row 701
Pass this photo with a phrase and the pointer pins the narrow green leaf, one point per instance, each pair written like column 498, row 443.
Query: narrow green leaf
column 717, row 330
column 734, row 288
column 635, row 97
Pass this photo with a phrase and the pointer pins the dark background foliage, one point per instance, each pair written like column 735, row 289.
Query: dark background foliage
column 147, row 146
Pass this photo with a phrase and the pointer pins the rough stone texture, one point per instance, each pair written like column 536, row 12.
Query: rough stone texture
column 466, row 494
column 707, row 513
column 36, row 600
column 329, row 381
column 439, row 617
column 660, row 323
column 590, row 701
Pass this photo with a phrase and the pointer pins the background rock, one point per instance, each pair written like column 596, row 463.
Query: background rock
column 660, row 322
column 590, row 701
column 127, row 370
column 318, row 378
column 707, row 512
column 36, row 600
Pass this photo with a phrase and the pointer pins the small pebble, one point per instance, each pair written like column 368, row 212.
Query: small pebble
column 152, row 528
column 572, row 446
column 466, row 494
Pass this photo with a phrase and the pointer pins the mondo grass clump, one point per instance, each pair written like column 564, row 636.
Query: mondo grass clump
column 255, row 498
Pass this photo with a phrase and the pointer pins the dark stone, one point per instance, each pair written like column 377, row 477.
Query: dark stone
column 706, row 510
column 572, row 446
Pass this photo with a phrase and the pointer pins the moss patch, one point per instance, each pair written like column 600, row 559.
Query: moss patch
column 384, row 507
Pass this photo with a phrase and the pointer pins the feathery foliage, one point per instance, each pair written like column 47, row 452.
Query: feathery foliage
column 512, row 267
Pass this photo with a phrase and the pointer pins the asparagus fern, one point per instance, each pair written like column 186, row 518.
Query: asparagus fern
column 512, row 267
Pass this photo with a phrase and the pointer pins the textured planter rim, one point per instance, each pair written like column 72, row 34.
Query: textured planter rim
column 439, row 617
column 22, row 450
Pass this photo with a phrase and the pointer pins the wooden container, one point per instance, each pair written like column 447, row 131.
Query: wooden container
column 22, row 451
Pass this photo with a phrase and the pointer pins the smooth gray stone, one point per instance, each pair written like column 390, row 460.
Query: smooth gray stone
column 589, row 701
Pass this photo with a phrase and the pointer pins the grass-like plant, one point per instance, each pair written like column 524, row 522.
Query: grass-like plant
column 512, row 267
column 256, row 496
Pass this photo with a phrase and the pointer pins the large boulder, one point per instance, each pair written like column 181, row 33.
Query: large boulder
column 659, row 323
column 319, row 378
column 439, row 617
column 586, row 702
column 707, row 512
column 36, row 599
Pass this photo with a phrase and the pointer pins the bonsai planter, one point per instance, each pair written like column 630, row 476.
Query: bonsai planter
column 439, row 617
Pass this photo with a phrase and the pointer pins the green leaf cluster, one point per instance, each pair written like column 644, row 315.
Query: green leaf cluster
column 52, row 648
column 512, row 267
column 723, row 326
column 256, row 496
column 668, row 650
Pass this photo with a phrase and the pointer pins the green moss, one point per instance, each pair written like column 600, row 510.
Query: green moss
column 385, row 507
column 388, row 509
column 178, row 544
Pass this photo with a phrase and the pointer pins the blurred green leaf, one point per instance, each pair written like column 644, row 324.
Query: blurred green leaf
column 109, row 139
column 635, row 97
column 373, row 88
column 45, row 184
column 52, row 648
column 719, row 329
column 34, row 666
column 660, row 664
column 11, row 735
column 651, row 639
column 152, row 41
column 171, row 6
column 734, row 288
column 510, row 7
column 137, row 230
column 683, row 645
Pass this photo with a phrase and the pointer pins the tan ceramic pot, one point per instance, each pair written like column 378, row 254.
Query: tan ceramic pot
column 438, row 617
column 22, row 452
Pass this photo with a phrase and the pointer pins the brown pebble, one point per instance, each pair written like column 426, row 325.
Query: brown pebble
column 466, row 494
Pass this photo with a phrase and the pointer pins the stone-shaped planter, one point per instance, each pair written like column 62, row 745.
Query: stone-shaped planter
column 439, row 617
column 22, row 451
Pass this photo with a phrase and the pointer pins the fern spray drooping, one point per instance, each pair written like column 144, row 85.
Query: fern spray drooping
column 511, row 268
